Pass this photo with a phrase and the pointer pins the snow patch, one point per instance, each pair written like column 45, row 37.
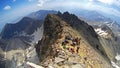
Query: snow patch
column 33, row 65
column 117, row 57
column 37, row 35
column 114, row 65
column 101, row 32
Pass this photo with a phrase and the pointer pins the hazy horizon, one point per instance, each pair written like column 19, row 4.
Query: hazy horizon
column 11, row 10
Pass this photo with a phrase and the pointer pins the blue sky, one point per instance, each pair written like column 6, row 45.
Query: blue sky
column 11, row 10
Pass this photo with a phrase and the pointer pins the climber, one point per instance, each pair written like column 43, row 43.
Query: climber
column 76, row 40
column 73, row 40
column 85, row 58
column 79, row 40
column 66, row 41
column 63, row 43
column 68, row 37
column 64, row 46
column 72, row 50
column 73, row 44
column 77, row 49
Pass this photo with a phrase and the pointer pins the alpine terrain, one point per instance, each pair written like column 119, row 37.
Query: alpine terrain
column 51, row 39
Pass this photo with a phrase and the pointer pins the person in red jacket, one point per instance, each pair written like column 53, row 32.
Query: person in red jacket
column 72, row 50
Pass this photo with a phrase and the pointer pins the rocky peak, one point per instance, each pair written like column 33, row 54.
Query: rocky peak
column 52, row 26
column 64, row 45
column 52, row 30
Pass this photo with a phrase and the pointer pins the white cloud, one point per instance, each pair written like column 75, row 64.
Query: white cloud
column 82, row 5
column 90, row 0
column 107, row 10
column 117, row 2
column 41, row 2
column 107, row 1
column 7, row 7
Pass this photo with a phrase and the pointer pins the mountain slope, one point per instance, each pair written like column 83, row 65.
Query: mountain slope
column 109, row 37
column 18, row 40
column 84, row 29
column 107, row 40
column 59, row 49
column 26, row 25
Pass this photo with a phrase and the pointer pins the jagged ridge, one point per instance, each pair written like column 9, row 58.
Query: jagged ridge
column 55, row 28
column 84, row 29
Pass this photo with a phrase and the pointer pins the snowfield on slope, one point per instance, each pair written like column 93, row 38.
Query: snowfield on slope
column 114, row 65
column 101, row 32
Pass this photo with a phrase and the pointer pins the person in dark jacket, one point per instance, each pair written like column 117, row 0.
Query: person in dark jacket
column 77, row 50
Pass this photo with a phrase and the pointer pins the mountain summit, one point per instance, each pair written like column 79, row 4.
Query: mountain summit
column 69, row 42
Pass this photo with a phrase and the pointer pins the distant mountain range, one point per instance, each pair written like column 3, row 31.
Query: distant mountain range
column 41, row 14
column 27, row 25
column 94, row 16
